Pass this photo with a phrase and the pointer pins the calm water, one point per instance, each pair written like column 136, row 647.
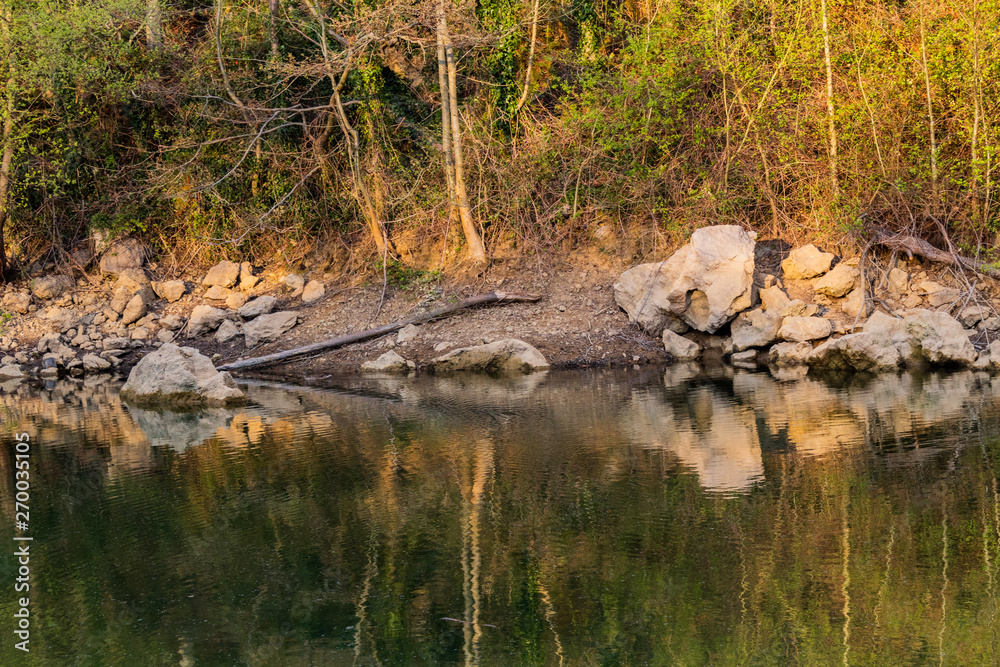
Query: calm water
column 594, row 518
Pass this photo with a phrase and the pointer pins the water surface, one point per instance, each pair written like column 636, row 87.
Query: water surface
column 591, row 518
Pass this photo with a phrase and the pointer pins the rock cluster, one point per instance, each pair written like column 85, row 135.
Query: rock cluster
column 707, row 284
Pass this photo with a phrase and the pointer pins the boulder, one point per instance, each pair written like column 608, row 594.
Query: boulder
column 223, row 274
column 138, row 306
column 93, row 363
column 703, row 285
column 17, row 302
column 116, row 343
column 390, row 362
column 838, row 282
column 806, row 262
column 937, row 294
column 801, row 329
column 179, row 375
column 11, row 372
column 745, row 358
column 971, row 316
column 49, row 287
column 939, row 338
column 313, row 291
column 172, row 322
column 171, row 290
column 856, row 352
column 789, row 354
column 60, row 319
column 509, row 355
column 122, row 255
column 204, row 319
column 247, row 279
column 680, row 348
column 267, row 328
column 226, row 332
column 236, row 300
column 48, row 342
column 406, row 334
column 217, row 293
column 799, row 308
column 774, row 298
column 132, row 280
column 855, row 305
column 139, row 333
column 120, row 299
column 166, row 335
column 262, row 305
column 294, row 282
column 989, row 324
column 891, row 329
column 755, row 328
column 989, row 359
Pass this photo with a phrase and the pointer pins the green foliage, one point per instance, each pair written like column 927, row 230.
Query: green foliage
column 405, row 277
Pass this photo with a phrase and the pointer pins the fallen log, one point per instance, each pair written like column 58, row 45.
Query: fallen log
column 912, row 245
column 419, row 318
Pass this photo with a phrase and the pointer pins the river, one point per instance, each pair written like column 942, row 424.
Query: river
column 677, row 516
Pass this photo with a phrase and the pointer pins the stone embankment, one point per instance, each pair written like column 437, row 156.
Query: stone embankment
column 707, row 298
column 719, row 296
column 57, row 326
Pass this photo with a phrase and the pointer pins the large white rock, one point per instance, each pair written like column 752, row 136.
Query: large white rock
column 179, row 375
column 390, row 362
column 11, row 372
column 313, row 291
column 262, row 305
column 509, row 355
column 838, row 282
column 204, row 319
column 17, row 302
column 49, row 287
column 679, row 347
column 755, row 328
column 892, row 329
column 939, row 338
column 267, row 328
column 856, row 352
column 774, row 298
column 784, row 355
column 703, row 285
column 223, row 274
column 800, row 329
column 93, row 363
column 806, row 262
column 123, row 254
column 171, row 290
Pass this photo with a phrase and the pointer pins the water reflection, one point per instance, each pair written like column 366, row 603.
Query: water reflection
column 683, row 517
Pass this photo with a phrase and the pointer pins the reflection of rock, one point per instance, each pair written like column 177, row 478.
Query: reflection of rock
column 705, row 430
column 180, row 430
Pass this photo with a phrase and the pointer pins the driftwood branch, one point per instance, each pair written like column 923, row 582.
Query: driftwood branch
column 912, row 245
column 420, row 318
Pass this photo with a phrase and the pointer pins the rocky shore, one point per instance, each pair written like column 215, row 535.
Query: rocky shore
column 709, row 298
column 721, row 298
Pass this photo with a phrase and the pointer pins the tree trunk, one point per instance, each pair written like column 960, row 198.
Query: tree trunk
column 930, row 111
column 449, row 165
column 829, row 102
column 476, row 250
column 154, row 25
column 8, row 136
column 273, row 26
